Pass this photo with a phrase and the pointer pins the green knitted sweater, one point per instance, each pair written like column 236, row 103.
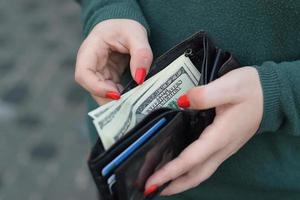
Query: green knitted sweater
column 260, row 33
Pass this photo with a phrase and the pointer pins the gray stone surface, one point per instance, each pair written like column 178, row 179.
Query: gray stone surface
column 44, row 142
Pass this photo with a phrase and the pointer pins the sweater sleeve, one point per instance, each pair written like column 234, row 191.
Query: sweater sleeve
column 281, row 90
column 95, row 11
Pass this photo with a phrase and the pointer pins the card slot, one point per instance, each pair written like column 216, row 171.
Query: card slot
column 229, row 63
column 98, row 152
column 165, row 145
column 119, row 159
column 216, row 65
column 97, row 162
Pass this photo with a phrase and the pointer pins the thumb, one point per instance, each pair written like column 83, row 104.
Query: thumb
column 219, row 92
column 141, row 55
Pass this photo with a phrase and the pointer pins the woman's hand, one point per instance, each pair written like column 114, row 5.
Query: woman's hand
column 238, row 99
column 105, row 53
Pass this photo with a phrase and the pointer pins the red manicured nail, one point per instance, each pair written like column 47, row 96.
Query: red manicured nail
column 112, row 95
column 150, row 190
column 183, row 101
column 140, row 75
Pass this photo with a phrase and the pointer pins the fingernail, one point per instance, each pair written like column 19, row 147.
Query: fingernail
column 112, row 95
column 140, row 75
column 183, row 101
column 150, row 190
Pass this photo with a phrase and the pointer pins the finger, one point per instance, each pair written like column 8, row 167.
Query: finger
column 92, row 52
column 194, row 154
column 199, row 173
column 141, row 55
column 228, row 147
column 219, row 92
column 97, row 87
column 101, row 101
column 196, row 176
column 85, row 74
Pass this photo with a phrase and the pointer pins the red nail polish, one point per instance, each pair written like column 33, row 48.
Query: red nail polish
column 112, row 95
column 183, row 101
column 150, row 190
column 140, row 75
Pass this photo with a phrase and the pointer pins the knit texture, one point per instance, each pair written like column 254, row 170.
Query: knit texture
column 260, row 33
column 97, row 11
column 281, row 97
column 271, row 93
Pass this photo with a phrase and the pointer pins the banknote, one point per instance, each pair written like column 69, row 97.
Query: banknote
column 103, row 116
column 97, row 113
column 178, row 77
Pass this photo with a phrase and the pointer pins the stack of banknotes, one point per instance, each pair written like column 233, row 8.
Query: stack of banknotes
column 114, row 119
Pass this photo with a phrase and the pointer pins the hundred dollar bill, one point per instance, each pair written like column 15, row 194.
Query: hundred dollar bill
column 104, row 122
column 103, row 117
column 96, row 113
column 180, row 76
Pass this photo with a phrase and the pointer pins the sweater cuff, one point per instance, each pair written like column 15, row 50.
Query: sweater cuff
column 271, row 94
column 122, row 10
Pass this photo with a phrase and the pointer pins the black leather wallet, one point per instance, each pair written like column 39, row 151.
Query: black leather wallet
column 128, row 179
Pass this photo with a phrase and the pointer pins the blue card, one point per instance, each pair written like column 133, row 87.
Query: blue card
column 133, row 147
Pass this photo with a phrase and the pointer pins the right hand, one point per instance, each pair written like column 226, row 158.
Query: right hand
column 105, row 53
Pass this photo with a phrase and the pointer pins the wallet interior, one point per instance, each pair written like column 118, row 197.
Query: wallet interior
column 183, row 126
column 99, row 158
column 166, row 144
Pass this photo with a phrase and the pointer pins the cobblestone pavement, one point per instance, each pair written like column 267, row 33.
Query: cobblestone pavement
column 43, row 138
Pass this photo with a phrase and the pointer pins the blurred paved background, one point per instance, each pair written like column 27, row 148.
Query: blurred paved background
column 43, row 138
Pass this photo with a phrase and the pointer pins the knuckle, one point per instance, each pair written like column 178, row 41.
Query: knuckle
column 232, row 150
column 135, row 24
column 205, row 176
column 140, row 30
column 194, row 182
column 201, row 177
column 144, row 52
column 235, row 89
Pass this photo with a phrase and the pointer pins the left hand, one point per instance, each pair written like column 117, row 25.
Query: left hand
column 238, row 99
